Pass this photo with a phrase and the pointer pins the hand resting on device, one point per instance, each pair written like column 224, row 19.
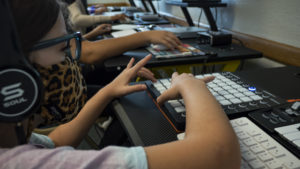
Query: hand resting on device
column 181, row 81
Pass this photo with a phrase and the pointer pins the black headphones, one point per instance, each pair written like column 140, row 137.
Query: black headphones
column 20, row 86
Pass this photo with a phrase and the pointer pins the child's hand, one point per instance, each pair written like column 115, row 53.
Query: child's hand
column 103, row 28
column 120, row 85
column 179, row 82
column 100, row 9
column 163, row 37
column 118, row 17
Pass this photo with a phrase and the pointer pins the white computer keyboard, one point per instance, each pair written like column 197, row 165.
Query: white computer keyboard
column 258, row 149
column 291, row 133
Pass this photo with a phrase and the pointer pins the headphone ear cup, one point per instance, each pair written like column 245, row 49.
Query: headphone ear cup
column 20, row 93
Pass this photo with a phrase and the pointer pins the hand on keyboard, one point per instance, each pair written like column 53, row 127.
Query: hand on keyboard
column 179, row 83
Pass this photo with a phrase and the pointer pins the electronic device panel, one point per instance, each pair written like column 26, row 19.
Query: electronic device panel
column 236, row 96
column 183, row 32
column 258, row 149
column 184, row 50
column 282, row 122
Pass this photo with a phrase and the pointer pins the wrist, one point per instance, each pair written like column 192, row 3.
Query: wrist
column 145, row 36
column 191, row 87
column 108, row 92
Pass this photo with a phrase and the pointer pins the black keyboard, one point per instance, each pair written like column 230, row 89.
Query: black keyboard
column 235, row 95
column 283, row 123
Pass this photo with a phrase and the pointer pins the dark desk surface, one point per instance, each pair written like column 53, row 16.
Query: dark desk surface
column 224, row 53
column 282, row 81
column 146, row 125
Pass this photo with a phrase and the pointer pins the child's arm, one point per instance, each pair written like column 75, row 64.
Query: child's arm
column 209, row 142
column 98, row 51
column 79, row 19
column 99, row 30
column 71, row 133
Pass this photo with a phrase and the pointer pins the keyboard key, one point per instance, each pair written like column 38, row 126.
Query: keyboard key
column 214, row 93
column 223, row 92
column 257, row 149
column 231, row 83
column 288, row 129
column 246, row 99
column 248, row 156
column 218, row 89
column 212, row 85
column 238, row 95
column 157, row 85
column 181, row 101
column 292, row 164
column 216, row 74
column 206, row 75
column 222, row 84
column 216, row 81
column 236, row 86
column 163, row 81
column 242, row 89
column 168, row 85
column 256, row 164
column 249, row 142
column 226, row 80
column 292, row 136
column 233, row 91
column 225, row 102
column 268, row 145
column 276, row 153
column 235, row 101
column 248, row 93
column 174, row 103
column 260, row 138
column 179, row 109
column 242, row 135
column 199, row 76
column 166, row 82
column 238, row 130
column 274, row 164
column 227, row 87
column 241, row 122
column 233, row 125
column 219, row 98
column 253, row 132
column 243, row 148
column 229, row 96
column 256, row 97
column 265, row 157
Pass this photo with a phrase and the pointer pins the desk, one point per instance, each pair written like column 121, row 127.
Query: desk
column 146, row 125
column 224, row 53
